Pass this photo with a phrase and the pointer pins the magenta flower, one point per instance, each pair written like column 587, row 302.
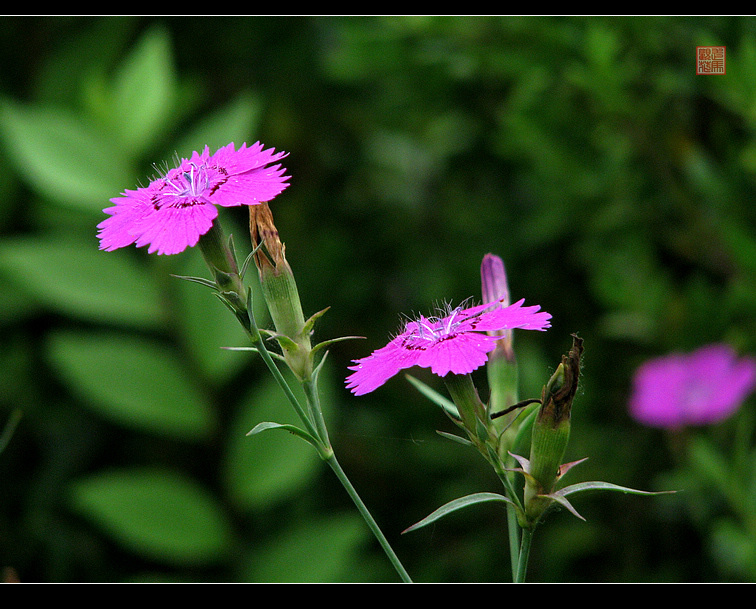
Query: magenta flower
column 699, row 388
column 456, row 343
column 176, row 209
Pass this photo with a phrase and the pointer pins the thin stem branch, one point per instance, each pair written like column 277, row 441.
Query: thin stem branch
column 336, row 467
column 318, row 430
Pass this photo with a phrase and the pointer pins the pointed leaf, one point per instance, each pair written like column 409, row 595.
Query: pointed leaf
column 524, row 463
column 256, row 350
column 564, row 503
column 310, row 323
column 201, row 280
column 328, row 343
column 262, row 470
column 447, row 405
column 293, row 429
column 458, row 504
column 454, row 438
column 207, row 326
column 604, row 486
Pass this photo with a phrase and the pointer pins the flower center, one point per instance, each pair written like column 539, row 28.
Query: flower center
column 184, row 188
column 435, row 329
column 192, row 183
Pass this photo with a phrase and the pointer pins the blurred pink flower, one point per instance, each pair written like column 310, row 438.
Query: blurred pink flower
column 176, row 209
column 699, row 388
column 455, row 343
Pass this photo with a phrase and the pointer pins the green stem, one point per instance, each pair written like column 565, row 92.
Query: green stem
column 221, row 261
column 316, row 426
column 513, row 528
column 522, row 563
column 313, row 401
column 368, row 518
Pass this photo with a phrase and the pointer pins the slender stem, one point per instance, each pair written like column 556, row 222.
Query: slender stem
column 522, row 563
column 318, row 429
column 368, row 518
column 514, row 545
column 222, row 263
column 513, row 526
column 313, row 402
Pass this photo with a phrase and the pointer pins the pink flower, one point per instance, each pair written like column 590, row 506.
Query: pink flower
column 455, row 343
column 699, row 388
column 176, row 209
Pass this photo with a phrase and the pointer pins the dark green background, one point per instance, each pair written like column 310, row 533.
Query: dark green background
column 616, row 184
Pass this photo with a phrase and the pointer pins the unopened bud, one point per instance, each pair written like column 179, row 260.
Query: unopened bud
column 220, row 258
column 280, row 290
column 494, row 288
column 501, row 368
column 551, row 432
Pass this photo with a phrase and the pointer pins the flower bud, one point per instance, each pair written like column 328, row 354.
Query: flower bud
column 220, row 259
column 501, row 368
column 494, row 287
column 280, row 291
column 551, row 432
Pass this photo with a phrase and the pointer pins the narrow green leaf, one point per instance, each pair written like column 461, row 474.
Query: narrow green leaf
column 458, row 504
column 447, row 405
column 201, row 280
column 293, row 429
column 603, row 486
column 455, row 438
column 206, row 324
column 264, row 469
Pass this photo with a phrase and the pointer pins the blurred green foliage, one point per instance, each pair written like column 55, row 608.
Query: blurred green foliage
column 615, row 183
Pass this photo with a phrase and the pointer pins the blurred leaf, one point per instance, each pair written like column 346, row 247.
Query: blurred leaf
column 237, row 122
column 62, row 157
column 132, row 381
column 72, row 277
column 159, row 514
column 322, row 550
column 143, row 92
column 71, row 61
column 734, row 550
